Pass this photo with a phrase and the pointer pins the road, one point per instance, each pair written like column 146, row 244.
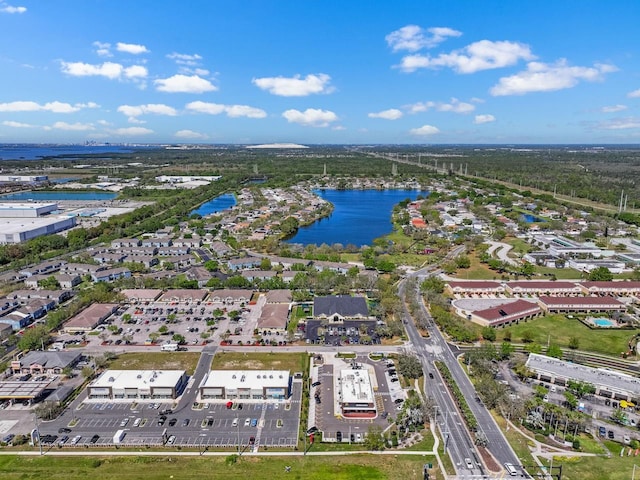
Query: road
column 460, row 442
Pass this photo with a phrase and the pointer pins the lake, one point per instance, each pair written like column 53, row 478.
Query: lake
column 35, row 152
column 218, row 204
column 55, row 196
column 359, row 217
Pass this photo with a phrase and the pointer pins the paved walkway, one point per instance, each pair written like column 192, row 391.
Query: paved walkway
column 501, row 250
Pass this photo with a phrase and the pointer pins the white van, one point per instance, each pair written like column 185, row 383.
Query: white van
column 511, row 470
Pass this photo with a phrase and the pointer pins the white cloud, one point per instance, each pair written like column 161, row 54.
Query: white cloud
column 11, row 9
column 391, row 114
column 414, row 38
column 133, row 111
column 634, row 94
column 480, row 119
column 79, row 69
column 10, row 123
column 621, row 123
column 131, row 48
column 103, row 49
column 54, row 107
column 190, row 134
column 75, row 127
column 184, row 84
column 482, row 55
column 185, row 59
column 311, row 117
column 131, row 131
column 543, row 77
column 424, row 130
column 232, row 111
column 136, row 71
column 295, row 86
column 613, row 108
column 455, row 106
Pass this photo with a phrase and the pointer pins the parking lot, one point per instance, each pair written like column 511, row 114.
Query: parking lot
column 198, row 322
column 250, row 425
column 388, row 395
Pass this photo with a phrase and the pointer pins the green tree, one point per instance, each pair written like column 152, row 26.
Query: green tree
column 34, row 338
column 178, row 338
column 600, row 274
column 49, row 283
column 211, row 265
column 506, row 349
column 572, row 401
column 489, row 334
column 554, row 351
column 574, row 343
column 265, row 263
column 409, row 366
column 374, row 440
column 432, row 283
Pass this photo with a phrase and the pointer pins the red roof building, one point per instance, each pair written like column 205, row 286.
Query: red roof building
column 475, row 288
column 506, row 314
column 580, row 304
column 537, row 288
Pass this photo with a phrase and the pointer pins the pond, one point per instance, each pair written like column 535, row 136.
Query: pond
column 218, row 204
column 359, row 217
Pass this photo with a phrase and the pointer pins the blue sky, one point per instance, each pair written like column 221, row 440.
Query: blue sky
column 263, row 71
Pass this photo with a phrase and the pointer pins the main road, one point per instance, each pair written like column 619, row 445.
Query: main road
column 457, row 438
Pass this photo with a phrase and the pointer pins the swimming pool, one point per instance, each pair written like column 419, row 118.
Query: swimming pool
column 604, row 322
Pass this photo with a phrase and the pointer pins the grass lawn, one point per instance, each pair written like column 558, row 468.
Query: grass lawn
column 353, row 467
column 156, row 360
column 294, row 362
column 519, row 245
column 560, row 273
column 427, row 442
column 600, row 467
column 477, row 271
column 561, row 329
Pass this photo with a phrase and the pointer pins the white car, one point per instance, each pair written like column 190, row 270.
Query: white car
column 136, row 422
column 468, row 463
column 247, row 422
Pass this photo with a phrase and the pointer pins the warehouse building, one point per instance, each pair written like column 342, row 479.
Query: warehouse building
column 246, row 385
column 138, row 384
column 26, row 210
column 17, row 230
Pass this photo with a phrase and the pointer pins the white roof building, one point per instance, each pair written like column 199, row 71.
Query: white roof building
column 356, row 394
column 247, row 385
column 138, row 384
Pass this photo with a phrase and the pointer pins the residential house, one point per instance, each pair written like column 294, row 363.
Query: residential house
column 111, row 274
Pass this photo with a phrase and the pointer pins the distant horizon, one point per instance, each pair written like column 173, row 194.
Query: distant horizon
column 408, row 72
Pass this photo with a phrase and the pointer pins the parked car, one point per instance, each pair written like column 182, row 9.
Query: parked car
column 64, row 430
column 172, row 440
column 610, row 434
column 254, row 422
column 468, row 463
column 185, row 422
column 602, row 431
column 247, row 422
column 316, row 384
column 95, row 438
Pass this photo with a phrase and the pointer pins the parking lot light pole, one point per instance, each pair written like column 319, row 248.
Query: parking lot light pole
column 38, row 432
column 238, row 429
column 633, row 474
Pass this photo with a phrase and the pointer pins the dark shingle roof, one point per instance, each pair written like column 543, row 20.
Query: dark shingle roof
column 344, row 305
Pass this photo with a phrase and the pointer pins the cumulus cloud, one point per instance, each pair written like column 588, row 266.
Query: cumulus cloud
column 103, row 49
column 634, row 94
column 74, row 127
column 311, row 117
column 481, row 55
column 131, row 48
column 190, row 134
column 613, row 108
column 454, row 106
column 424, row 130
column 54, row 107
column 4, row 8
column 10, row 123
column 414, row 38
column 110, row 70
column 295, row 86
column 131, row 131
column 232, row 111
column 391, row 114
column 480, row 119
column 543, row 77
column 133, row 111
column 621, row 123
column 184, row 84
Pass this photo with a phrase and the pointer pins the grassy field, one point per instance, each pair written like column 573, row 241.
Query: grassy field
column 610, row 342
column 600, row 467
column 294, row 362
column 353, row 467
column 156, row 360
column 477, row 271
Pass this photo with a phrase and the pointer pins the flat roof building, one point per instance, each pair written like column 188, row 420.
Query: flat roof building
column 355, row 394
column 138, row 384
column 246, row 385
column 17, row 230
column 26, row 210
column 608, row 383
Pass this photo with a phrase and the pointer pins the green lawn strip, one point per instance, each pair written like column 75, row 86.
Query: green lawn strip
column 226, row 360
column 609, row 341
column 560, row 273
column 599, row 467
column 352, row 467
column 156, row 361
column 427, row 442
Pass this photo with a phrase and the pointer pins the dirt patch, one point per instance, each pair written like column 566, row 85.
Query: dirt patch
column 488, row 459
